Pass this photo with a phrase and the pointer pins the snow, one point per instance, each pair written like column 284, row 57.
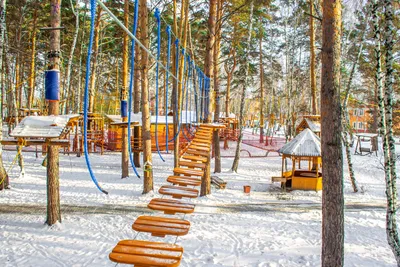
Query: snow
column 228, row 228
column 42, row 126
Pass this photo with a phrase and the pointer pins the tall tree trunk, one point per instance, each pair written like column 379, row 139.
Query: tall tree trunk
column 261, row 91
column 217, row 52
column 93, row 77
column 174, row 98
column 136, row 105
column 124, row 93
column 78, row 98
column 210, row 45
column 229, row 74
column 53, row 186
column 331, row 145
column 345, row 112
column 313, row 76
column 68, row 104
column 31, row 89
column 390, row 159
column 146, row 134
column 4, row 181
column 244, row 70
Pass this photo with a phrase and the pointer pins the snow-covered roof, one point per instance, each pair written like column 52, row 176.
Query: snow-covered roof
column 42, row 126
column 187, row 117
column 305, row 144
column 314, row 125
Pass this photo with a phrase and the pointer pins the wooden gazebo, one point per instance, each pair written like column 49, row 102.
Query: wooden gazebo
column 312, row 122
column 304, row 147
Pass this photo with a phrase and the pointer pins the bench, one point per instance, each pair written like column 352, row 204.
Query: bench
column 170, row 206
column 146, row 254
column 178, row 191
column 218, row 182
column 160, row 226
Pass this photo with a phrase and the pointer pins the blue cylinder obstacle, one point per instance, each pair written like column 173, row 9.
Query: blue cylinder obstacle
column 52, row 85
column 124, row 108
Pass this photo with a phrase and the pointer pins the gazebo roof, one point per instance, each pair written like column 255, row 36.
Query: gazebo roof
column 305, row 144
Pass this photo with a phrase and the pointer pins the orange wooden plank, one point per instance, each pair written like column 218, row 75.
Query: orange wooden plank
column 191, row 164
column 201, row 148
column 170, row 206
column 146, row 254
column 184, row 181
column 188, row 172
column 196, row 143
column 178, row 191
column 197, row 152
column 159, row 226
column 195, row 158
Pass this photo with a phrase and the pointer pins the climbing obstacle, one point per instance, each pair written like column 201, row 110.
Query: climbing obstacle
column 192, row 172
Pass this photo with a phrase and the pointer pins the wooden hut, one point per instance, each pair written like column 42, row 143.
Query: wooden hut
column 305, row 147
column 312, row 122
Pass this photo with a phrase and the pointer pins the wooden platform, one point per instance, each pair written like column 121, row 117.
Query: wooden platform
column 188, row 172
column 178, row 191
column 160, row 226
column 184, row 181
column 170, row 206
column 146, row 254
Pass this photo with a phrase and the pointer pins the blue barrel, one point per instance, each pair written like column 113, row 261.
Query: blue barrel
column 52, row 85
column 124, row 108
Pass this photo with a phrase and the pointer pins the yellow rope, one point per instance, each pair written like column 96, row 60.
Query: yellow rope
column 12, row 164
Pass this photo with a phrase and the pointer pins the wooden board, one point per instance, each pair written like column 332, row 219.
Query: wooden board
column 178, row 191
column 188, row 172
column 170, row 206
column 201, row 148
column 195, row 158
column 160, row 226
column 191, row 164
column 221, row 184
column 197, row 152
column 184, row 181
column 146, row 254
column 201, row 144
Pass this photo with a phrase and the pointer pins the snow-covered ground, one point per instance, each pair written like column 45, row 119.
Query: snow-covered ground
column 228, row 228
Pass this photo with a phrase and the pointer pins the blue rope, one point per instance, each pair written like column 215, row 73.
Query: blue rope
column 86, row 98
column 157, row 15
column 134, row 29
column 166, row 84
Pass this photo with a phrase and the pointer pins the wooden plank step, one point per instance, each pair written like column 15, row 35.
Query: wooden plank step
column 197, row 143
column 191, row 164
column 201, row 148
column 197, row 152
column 188, row 172
column 171, row 206
column 195, row 158
column 184, row 180
column 221, row 184
column 207, row 141
column 146, row 254
column 178, row 191
column 160, row 226
column 204, row 135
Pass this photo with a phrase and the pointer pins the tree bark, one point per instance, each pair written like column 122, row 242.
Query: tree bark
column 210, row 45
column 313, row 76
column 244, row 70
column 53, row 186
column 31, row 89
column 124, row 93
column 261, row 91
column 331, row 145
column 229, row 74
column 217, row 52
column 136, row 106
column 390, row 159
column 146, row 134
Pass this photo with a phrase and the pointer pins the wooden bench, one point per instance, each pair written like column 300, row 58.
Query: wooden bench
column 146, row 254
column 195, row 158
column 170, row 206
column 184, row 181
column 178, row 191
column 188, row 172
column 160, row 226
column 218, row 182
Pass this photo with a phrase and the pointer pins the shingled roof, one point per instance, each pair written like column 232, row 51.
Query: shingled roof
column 305, row 144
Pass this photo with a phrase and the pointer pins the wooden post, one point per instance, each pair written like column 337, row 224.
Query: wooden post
column 53, row 186
column 206, row 179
